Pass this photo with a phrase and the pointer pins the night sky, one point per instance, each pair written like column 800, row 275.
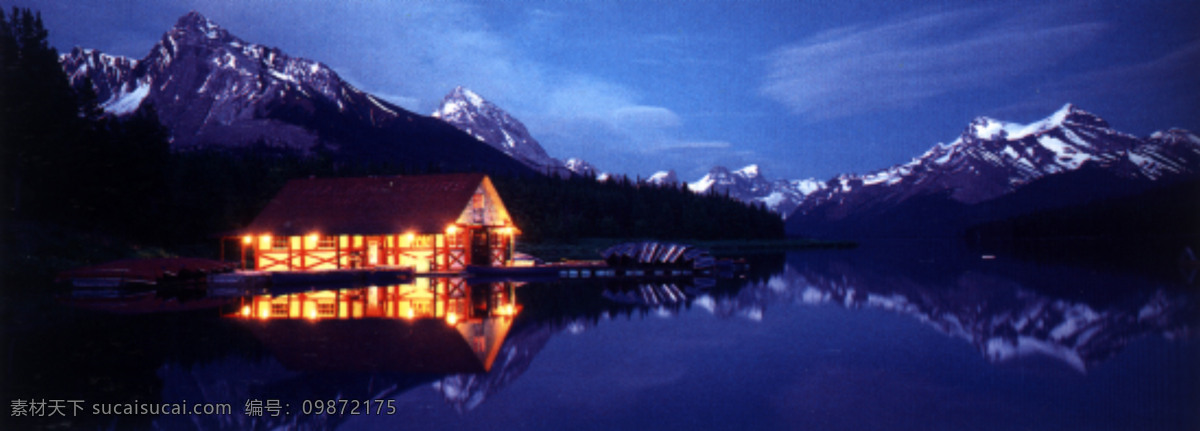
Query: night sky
column 804, row 89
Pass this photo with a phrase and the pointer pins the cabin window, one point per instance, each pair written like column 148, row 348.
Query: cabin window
column 327, row 242
column 279, row 243
column 454, row 240
column 422, row 241
column 326, row 309
column 477, row 208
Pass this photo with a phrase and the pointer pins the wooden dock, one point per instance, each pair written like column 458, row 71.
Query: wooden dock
column 343, row 277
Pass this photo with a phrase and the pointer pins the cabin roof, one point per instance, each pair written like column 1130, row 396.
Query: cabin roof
column 372, row 205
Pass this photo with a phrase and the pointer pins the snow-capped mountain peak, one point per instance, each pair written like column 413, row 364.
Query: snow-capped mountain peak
column 749, row 185
column 985, row 128
column 664, row 178
column 992, row 159
column 750, row 171
column 195, row 23
column 467, row 111
column 580, row 167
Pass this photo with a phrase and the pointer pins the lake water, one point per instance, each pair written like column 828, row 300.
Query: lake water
column 857, row 339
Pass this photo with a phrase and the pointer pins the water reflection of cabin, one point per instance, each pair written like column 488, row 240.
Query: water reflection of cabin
column 427, row 222
column 436, row 325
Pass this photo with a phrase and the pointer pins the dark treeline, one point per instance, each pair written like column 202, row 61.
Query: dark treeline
column 565, row 209
column 66, row 163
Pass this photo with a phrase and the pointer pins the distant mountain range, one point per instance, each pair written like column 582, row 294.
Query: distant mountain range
column 996, row 170
column 214, row 90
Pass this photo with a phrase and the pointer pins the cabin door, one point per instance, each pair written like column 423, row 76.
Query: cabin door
column 480, row 252
column 373, row 253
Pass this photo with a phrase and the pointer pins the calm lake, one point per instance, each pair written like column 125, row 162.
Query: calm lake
column 918, row 339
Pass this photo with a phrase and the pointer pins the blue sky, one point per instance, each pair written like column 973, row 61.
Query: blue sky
column 804, row 89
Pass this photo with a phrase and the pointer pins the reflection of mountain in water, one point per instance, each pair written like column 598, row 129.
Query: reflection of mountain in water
column 556, row 307
column 1088, row 317
column 1079, row 317
column 468, row 390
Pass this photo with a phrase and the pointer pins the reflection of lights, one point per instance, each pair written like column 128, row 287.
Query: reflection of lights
column 452, row 318
column 312, row 313
column 411, row 314
column 505, row 310
column 245, row 311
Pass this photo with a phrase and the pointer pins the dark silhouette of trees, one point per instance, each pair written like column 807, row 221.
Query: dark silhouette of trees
column 550, row 208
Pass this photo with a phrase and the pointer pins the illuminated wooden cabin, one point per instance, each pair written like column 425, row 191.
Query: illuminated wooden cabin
column 427, row 222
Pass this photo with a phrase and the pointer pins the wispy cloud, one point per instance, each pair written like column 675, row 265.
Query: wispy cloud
column 1167, row 81
column 897, row 64
column 690, row 145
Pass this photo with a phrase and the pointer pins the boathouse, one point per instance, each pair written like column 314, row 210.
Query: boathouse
column 428, row 222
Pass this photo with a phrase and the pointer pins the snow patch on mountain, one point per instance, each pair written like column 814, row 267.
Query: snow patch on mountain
column 478, row 117
column 992, row 159
column 664, row 178
column 203, row 80
column 749, row 185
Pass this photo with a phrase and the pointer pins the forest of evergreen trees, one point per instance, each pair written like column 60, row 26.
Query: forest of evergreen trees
column 65, row 162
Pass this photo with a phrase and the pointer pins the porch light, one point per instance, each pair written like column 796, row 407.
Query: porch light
column 245, row 311
column 451, row 230
column 247, row 239
column 452, row 318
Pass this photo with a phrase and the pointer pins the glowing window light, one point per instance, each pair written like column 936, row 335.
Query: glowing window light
column 264, row 313
column 312, row 313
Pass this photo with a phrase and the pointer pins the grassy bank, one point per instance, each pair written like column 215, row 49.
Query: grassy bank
column 590, row 248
